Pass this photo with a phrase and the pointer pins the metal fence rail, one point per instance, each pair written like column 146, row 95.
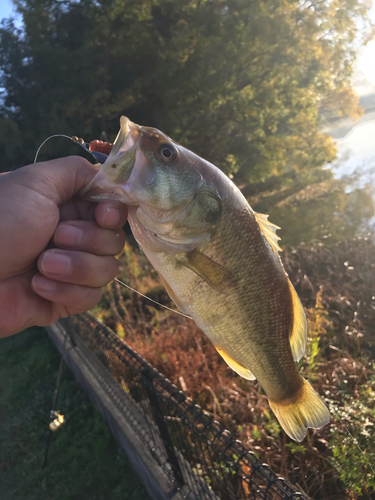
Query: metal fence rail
column 198, row 455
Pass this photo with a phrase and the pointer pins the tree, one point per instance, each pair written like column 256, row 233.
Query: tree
column 239, row 82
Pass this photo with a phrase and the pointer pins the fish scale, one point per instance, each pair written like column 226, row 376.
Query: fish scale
column 219, row 262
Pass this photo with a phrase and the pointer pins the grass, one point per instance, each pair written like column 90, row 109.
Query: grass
column 84, row 462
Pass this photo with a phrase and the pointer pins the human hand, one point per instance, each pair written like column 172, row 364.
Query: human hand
column 56, row 250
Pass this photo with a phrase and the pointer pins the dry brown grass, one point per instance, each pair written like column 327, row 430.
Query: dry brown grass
column 335, row 283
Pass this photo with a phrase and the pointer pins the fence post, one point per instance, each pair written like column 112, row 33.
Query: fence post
column 147, row 381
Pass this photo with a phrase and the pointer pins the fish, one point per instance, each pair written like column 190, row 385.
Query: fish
column 219, row 262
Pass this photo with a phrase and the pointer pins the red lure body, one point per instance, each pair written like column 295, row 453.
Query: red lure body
column 100, row 147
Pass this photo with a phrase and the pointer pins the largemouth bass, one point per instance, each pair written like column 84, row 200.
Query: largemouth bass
column 219, row 262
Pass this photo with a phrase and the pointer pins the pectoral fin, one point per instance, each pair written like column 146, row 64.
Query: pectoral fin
column 298, row 335
column 216, row 275
column 242, row 370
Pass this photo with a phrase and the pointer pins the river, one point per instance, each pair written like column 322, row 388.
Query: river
column 355, row 162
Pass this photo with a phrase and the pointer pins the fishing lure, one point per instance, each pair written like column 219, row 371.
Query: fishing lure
column 99, row 150
column 103, row 147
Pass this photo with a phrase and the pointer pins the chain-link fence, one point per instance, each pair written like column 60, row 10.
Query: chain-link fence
column 200, row 457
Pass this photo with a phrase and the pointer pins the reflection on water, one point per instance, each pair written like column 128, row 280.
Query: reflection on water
column 356, row 157
column 356, row 154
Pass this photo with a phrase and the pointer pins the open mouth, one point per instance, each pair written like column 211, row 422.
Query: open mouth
column 126, row 139
column 117, row 168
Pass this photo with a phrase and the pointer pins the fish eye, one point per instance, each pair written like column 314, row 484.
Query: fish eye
column 167, row 153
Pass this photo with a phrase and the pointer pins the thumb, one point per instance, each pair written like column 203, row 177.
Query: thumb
column 60, row 179
column 30, row 198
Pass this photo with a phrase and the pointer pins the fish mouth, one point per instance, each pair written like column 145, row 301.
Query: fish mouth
column 117, row 168
column 99, row 189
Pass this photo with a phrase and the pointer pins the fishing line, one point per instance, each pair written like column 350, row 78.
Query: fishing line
column 152, row 300
column 82, row 143
column 92, row 149
column 48, row 138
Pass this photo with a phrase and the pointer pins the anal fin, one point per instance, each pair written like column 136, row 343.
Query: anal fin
column 242, row 370
column 172, row 295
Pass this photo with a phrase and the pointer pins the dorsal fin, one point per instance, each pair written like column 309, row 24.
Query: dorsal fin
column 269, row 231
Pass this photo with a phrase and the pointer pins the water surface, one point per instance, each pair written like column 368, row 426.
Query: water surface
column 356, row 154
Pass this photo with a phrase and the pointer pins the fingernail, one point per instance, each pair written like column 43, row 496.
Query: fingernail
column 56, row 263
column 68, row 236
column 111, row 216
column 43, row 284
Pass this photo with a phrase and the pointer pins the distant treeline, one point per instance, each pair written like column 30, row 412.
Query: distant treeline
column 239, row 82
column 243, row 84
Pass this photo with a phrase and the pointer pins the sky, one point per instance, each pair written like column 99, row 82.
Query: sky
column 364, row 73
column 6, row 8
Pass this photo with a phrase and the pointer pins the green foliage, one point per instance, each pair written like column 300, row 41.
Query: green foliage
column 85, row 462
column 241, row 83
column 10, row 142
column 296, row 447
column 352, row 443
column 255, row 434
column 318, row 323
column 272, row 427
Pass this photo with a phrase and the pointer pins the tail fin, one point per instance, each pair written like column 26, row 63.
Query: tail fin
column 297, row 415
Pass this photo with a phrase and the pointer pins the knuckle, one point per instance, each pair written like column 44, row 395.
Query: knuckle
column 103, row 270
column 80, row 160
column 86, row 295
column 109, row 269
column 90, row 297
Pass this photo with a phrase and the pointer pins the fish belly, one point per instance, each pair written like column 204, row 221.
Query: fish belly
column 249, row 322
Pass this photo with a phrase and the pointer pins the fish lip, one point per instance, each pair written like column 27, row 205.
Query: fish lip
column 109, row 182
column 126, row 141
column 121, row 160
column 100, row 189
